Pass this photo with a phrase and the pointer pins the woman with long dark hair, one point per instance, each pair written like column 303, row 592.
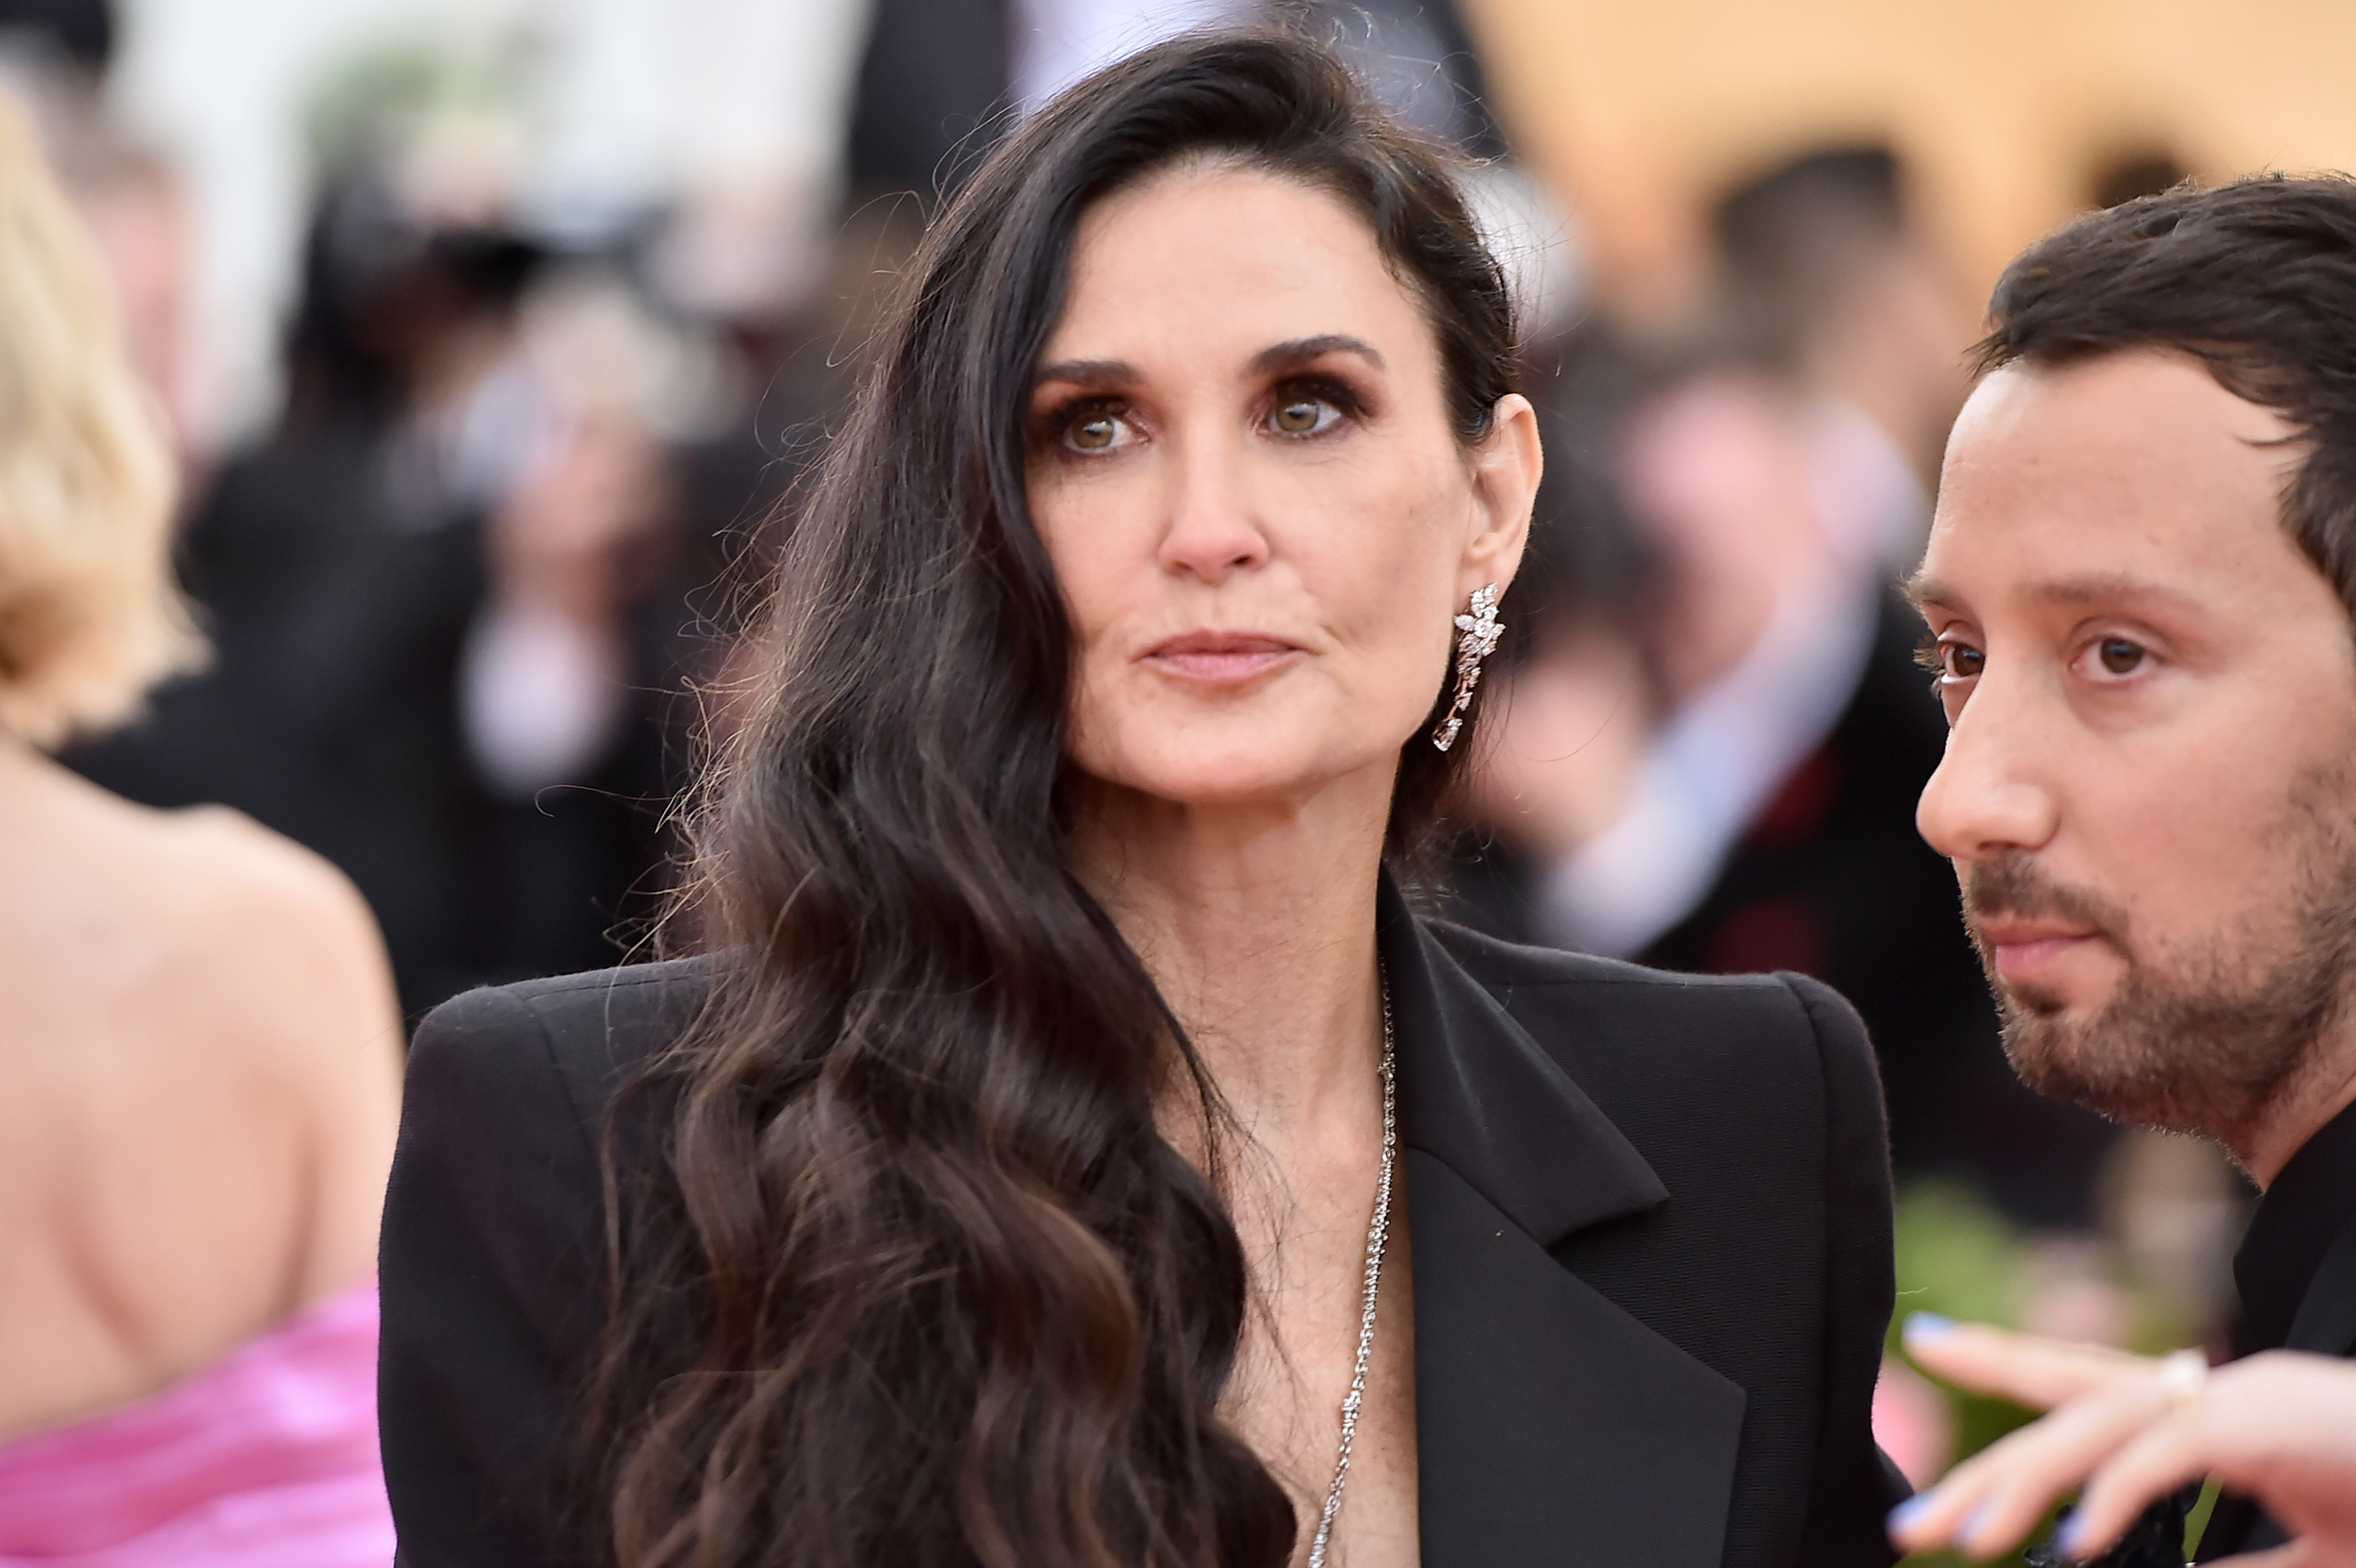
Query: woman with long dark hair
column 1072, row 1151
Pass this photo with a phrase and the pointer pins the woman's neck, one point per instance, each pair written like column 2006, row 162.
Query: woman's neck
column 1258, row 924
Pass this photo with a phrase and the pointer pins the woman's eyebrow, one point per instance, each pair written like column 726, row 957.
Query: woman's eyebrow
column 1289, row 355
column 1087, row 373
column 1299, row 351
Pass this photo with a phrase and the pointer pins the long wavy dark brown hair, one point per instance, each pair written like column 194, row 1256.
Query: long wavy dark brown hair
column 917, row 1282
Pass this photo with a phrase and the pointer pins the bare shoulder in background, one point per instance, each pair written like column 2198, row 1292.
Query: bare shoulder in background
column 198, row 1087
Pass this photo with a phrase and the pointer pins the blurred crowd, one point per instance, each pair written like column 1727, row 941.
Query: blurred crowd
column 471, row 594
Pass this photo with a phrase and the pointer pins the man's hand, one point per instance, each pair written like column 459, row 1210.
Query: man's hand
column 2280, row 1426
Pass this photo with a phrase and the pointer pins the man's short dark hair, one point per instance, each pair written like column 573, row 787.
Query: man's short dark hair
column 2257, row 280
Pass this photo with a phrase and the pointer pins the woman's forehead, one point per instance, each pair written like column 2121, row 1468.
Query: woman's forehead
column 1229, row 260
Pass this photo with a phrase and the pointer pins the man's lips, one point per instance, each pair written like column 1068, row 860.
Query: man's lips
column 2025, row 950
column 1221, row 658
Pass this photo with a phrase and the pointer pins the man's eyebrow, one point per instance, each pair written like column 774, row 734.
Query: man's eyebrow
column 1924, row 588
column 1087, row 372
column 1299, row 351
column 2102, row 585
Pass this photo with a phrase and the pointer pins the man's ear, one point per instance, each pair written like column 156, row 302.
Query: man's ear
column 1506, row 466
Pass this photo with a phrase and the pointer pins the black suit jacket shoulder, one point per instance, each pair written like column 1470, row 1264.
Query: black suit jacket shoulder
column 1650, row 1229
column 1741, row 1226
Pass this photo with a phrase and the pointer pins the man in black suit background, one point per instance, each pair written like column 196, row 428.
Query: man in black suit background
column 2140, row 582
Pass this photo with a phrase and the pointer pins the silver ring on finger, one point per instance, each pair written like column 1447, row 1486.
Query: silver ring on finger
column 2182, row 1375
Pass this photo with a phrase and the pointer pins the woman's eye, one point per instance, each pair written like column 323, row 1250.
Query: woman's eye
column 1100, row 432
column 1303, row 416
column 2119, row 656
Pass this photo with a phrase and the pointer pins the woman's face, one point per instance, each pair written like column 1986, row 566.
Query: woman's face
column 1243, row 466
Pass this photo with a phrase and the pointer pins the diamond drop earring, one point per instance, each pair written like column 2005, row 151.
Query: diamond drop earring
column 1476, row 640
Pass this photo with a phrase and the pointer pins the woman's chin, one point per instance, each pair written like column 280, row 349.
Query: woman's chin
column 1241, row 778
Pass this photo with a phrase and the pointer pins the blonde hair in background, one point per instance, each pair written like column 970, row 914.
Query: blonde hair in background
column 89, row 615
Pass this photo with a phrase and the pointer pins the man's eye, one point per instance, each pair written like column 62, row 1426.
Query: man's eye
column 1303, row 416
column 2119, row 656
column 1949, row 660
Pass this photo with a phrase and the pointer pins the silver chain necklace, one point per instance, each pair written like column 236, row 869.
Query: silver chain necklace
column 1377, row 1235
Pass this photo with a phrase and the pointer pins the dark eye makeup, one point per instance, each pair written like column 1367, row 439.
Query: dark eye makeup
column 1087, row 423
column 1305, row 391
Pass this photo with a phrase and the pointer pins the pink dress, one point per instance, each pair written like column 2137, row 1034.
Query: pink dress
column 267, row 1459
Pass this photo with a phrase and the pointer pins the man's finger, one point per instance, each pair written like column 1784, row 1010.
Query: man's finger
column 2039, row 1373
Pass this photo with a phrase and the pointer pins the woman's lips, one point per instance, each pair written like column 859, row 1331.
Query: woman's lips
column 1221, row 658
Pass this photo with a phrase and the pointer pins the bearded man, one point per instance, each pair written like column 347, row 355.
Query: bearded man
column 2139, row 587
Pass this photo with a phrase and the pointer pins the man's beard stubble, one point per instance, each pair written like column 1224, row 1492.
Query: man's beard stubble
column 2201, row 1042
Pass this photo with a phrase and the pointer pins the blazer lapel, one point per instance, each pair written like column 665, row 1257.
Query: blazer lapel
column 1552, row 1427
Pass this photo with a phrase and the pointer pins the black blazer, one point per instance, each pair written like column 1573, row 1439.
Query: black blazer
column 1652, row 1250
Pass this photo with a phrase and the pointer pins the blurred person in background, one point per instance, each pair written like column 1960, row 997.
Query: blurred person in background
column 425, row 587
column 2140, row 587
column 199, row 1047
column 1826, row 266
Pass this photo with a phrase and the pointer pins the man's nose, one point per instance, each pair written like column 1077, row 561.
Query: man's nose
column 1212, row 528
column 1994, row 788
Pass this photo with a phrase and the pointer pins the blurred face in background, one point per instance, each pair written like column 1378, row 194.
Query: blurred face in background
column 2149, row 786
column 1244, row 468
column 1715, row 471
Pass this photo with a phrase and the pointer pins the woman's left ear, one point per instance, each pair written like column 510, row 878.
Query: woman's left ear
column 1506, row 465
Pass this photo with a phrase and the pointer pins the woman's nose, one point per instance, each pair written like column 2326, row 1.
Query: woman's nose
column 1212, row 529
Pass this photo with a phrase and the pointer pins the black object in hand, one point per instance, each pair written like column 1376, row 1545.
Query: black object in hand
column 2156, row 1539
